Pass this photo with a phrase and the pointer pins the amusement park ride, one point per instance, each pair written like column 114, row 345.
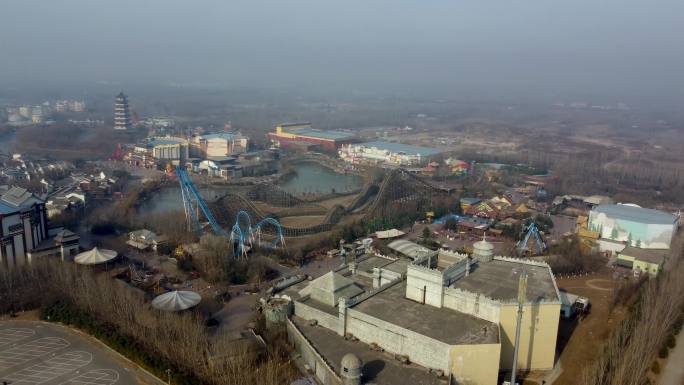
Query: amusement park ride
column 242, row 236
column 538, row 246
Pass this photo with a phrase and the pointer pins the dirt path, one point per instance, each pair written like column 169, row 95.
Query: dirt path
column 582, row 341
column 593, row 283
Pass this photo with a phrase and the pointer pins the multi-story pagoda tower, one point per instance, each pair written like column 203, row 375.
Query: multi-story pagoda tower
column 122, row 114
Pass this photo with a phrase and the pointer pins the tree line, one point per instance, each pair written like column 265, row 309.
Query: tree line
column 121, row 316
column 655, row 317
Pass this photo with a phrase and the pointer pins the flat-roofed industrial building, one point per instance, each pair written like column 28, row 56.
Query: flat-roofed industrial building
column 396, row 154
column 450, row 313
column 289, row 135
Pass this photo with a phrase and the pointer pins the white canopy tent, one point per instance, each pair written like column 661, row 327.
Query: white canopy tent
column 95, row 256
column 176, row 300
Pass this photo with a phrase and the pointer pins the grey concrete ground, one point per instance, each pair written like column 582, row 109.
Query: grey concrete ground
column 237, row 313
column 673, row 372
column 38, row 353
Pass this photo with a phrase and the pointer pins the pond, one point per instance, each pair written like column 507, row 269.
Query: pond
column 313, row 178
column 168, row 199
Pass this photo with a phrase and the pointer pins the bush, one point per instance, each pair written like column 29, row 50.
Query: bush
column 184, row 263
column 664, row 352
column 678, row 325
column 104, row 228
column 655, row 368
column 671, row 341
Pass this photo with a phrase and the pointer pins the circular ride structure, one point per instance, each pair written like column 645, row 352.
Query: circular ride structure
column 242, row 235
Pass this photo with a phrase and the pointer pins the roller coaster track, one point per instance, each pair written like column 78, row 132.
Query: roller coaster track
column 230, row 204
column 273, row 195
column 242, row 234
column 397, row 186
column 402, row 186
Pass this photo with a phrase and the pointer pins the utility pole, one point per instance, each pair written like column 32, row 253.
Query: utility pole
column 522, row 297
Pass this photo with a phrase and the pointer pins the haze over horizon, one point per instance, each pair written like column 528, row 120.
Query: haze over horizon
column 620, row 50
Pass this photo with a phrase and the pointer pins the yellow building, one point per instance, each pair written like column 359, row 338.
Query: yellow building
column 538, row 333
column 494, row 285
column 642, row 260
column 472, row 364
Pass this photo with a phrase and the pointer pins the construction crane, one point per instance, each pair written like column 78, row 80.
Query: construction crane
column 532, row 232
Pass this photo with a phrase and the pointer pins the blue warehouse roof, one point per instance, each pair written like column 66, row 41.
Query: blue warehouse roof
column 314, row 133
column 636, row 214
column 165, row 141
column 221, row 135
column 402, row 148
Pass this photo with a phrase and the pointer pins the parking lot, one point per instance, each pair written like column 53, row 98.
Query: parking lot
column 36, row 353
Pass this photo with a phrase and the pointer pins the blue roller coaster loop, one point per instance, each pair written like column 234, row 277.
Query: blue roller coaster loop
column 239, row 237
column 242, row 233
column 279, row 233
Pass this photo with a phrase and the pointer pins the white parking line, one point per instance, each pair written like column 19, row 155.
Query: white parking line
column 95, row 377
column 8, row 336
column 29, row 351
column 50, row 369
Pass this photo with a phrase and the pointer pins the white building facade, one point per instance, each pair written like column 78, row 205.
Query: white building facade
column 24, row 225
column 220, row 145
column 395, row 154
column 635, row 226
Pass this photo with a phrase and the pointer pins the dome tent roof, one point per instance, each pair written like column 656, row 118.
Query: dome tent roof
column 95, row 256
column 176, row 300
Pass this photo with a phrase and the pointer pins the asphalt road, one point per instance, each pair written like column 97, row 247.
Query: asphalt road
column 38, row 353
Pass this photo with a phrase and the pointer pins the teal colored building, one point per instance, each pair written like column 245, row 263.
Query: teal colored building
column 635, row 226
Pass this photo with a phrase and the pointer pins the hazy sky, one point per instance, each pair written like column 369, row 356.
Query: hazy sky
column 621, row 48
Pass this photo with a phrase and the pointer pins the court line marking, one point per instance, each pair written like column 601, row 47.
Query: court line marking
column 51, row 369
column 8, row 336
column 31, row 350
column 95, row 377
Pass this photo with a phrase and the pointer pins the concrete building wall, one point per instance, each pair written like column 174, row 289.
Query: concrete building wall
column 455, row 271
column 613, row 247
column 474, row 304
column 324, row 373
column 475, row 364
column 424, row 285
column 324, row 319
column 420, row 349
column 384, row 276
column 170, row 152
column 538, row 332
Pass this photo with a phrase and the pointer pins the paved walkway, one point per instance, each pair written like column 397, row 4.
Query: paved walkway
column 673, row 373
column 39, row 353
